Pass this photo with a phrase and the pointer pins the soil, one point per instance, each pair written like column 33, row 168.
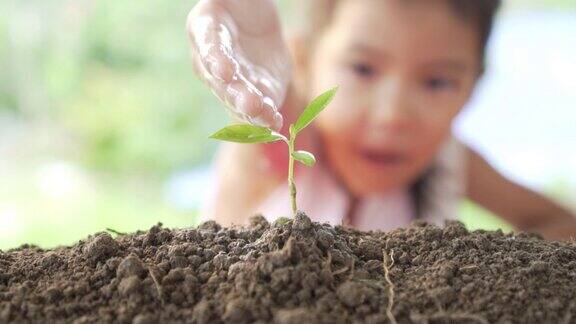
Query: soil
column 293, row 271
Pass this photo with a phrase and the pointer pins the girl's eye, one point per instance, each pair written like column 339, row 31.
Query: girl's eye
column 439, row 83
column 363, row 70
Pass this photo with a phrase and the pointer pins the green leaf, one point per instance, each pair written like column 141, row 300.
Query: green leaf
column 304, row 157
column 245, row 133
column 313, row 109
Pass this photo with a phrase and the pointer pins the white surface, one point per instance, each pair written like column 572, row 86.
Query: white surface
column 523, row 118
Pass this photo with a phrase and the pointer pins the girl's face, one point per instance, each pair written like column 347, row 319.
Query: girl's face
column 405, row 69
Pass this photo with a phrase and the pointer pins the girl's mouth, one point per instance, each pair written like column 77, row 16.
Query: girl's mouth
column 383, row 158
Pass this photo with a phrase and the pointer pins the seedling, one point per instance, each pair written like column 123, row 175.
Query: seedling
column 250, row 134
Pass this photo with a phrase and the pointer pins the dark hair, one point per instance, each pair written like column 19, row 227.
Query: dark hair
column 419, row 190
column 318, row 14
column 482, row 14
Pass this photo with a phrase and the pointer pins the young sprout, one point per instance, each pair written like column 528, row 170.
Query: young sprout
column 251, row 134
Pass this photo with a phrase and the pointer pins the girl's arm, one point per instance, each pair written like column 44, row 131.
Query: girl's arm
column 523, row 208
column 245, row 179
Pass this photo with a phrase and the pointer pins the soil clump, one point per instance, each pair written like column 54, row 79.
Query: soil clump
column 293, row 271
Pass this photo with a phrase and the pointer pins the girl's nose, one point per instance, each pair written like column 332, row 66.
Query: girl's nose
column 390, row 107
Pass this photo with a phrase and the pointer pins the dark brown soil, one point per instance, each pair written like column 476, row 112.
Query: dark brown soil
column 293, row 272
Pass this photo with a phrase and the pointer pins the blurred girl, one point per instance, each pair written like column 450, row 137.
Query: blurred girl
column 385, row 149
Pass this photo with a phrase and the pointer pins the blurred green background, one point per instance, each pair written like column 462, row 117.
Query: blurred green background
column 101, row 115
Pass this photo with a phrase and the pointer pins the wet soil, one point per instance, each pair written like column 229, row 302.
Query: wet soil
column 293, row 272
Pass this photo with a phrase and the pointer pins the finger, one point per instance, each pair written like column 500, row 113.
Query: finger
column 212, row 44
column 278, row 122
column 268, row 116
column 271, row 113
column 216, row 85
column 271, row 94
column 219, row 64
column 252, row 105
column 244, row 100
column 271, row 104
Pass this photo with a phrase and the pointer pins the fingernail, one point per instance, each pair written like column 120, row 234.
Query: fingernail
column 278, row 121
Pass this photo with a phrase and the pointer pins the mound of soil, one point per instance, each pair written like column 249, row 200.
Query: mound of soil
column 293, row 271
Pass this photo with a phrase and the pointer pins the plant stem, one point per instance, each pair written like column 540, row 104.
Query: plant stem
column 291, row 184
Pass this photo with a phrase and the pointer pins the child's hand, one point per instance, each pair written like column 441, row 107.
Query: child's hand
column 238, row 51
